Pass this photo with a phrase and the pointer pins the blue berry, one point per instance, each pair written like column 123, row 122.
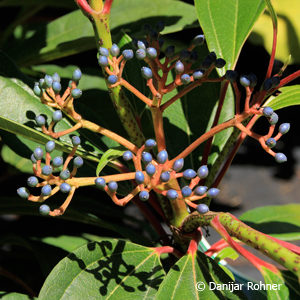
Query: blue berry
column 40, row 120
column 23, row 192
column 38, row 153
column 275, row 81
column 112, row 186
column 189, row 174
column 169, row 52
column 47, row 170
column 46, row 190
column 103, row 51
column 284, row 128
column 193, row 56
column 127, row 155
column 150, row 169
column 140, row 54
column 139, row 177
column 185, row 54
column 179, row 67
column 151, row 52
column 178, row 164
column 268, row 111
column 185, row 79
column 198, row 39
column 56, row 86
column 56, row 77
column 280, row 158
column 146, row 157
column 245, row 81
column 50, row 146
column 76, row 140
column 144, row 195
column 150, row 143
column 76, row 93
column 209, row 60
column 76, row 76
column 162, row 156
column 114, row 50
column 42, row 84
column 32, row 181
column 165, row 176
column 253, row 79
column 220, row 63
column 78, row 162
column 200, row 190
column 202, row 172
column 172, row 194
column 213, row 192
column 103, row 61
column 65, row 188
column 231, row 75
column 146, row 72
column 202, row 208
column 57, row 115
column 100, row 183
column 273, row 119
column 57, row 161
column 198, row 74
column 186, row 191
column 44, row 210
column 160, row 26
column 37, row 91
column 33, row 159
column 48, row 80
column 127, row 54
column 267, row 85
column 141, row 45
column 65, row 174
column 271, row 142
column 112, row 79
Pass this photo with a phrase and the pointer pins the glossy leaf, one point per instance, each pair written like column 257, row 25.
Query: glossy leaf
column 14, row 296
column 190, row 274
column 114, row 269
column 288, row 30
column 281, row 291
column 226, row 25
column 109, row 155
column 290, row 95
column 76, row 213
column 73, row 32
column 280, row 221
column 12, row 158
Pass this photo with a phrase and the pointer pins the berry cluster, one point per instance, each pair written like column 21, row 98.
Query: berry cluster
column 153, row 171
column 44, row 170
column 156, row 174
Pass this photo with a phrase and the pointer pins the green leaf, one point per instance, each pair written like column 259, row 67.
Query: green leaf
column 226, row 25
column 290, row 95
column 113, row 269
column 280, row 221
column 227, row 252
column 191, row 273
column 73, row 32
column 67, row 242
column 288, row 30
column 14, row 296
column 79, row 211
column 12, row 158
column 109, row 155
column 278, row 288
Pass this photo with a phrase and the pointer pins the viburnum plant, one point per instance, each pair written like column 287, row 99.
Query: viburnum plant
column 161, row 180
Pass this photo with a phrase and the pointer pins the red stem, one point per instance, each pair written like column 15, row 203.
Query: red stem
column 271, row 63
column 84, row 6
column 107, row 7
